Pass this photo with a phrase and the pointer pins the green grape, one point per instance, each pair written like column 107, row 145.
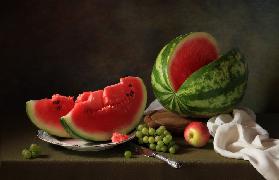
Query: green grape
column 35, row 154
column 145, row 139
column 169, row 136
column 144, row 131
column 152, row 146
column 164, row 148
column 166, row 132
column 151, row 131
column 140, row 141
column 159, row 131
column 128, row 154
column 35, row 148
column 158, row 138
column 151, row 139
column 172, row 150
column 140, row 126
column 162, row 127
column 160, row 143
column 26, row 154
column 158, row 148
column 166, row 140
column 139, row 134
column 171, row 143
column 162, row 136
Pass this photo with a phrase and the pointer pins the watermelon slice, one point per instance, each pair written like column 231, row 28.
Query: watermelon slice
column 46, row 113
column 117, row 108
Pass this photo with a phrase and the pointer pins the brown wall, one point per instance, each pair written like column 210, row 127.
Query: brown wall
column 71, row 46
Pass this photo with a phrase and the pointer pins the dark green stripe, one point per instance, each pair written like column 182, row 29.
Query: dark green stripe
column 235, row 82
column 230, row 103
column 164, row 61
column 165, row 101
column 200, row 110
column 156, row 75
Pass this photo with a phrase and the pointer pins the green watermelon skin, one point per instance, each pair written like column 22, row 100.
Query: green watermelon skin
column 215, row 88
column 101, row 133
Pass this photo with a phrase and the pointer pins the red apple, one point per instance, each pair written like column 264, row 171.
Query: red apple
column 196, row 134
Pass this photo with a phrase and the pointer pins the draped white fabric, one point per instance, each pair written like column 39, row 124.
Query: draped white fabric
column 239, row 136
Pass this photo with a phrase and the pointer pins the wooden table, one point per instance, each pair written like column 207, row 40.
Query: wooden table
column 61, row 163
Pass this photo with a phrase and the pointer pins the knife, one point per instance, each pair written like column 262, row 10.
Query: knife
column 149, row 153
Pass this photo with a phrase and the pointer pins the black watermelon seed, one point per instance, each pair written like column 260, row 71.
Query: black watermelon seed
column 130, row 85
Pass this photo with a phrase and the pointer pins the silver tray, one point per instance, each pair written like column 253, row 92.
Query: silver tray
column 79, row 144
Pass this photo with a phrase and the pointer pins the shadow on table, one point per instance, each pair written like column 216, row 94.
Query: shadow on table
column 116, row 151
column 184, row 148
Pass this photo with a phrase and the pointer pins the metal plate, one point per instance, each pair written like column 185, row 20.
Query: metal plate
column 79, row 144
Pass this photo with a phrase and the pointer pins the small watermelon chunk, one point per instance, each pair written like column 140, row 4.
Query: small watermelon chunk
column 117, row 108
column 118, row 137
column 46, row 113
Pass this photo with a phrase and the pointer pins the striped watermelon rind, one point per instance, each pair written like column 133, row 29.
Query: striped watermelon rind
column 215, row 88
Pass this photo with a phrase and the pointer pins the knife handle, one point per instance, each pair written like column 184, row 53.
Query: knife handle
column 172, row 163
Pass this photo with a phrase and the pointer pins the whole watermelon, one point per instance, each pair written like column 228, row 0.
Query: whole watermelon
column 189, row 77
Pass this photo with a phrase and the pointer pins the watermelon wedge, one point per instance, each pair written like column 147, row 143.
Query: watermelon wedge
column 191, row 79
column 116, row 108
column 46, row 113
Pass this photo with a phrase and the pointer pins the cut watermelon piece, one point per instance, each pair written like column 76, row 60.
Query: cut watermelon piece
column 192, row 53
column 117, row 108
column 118, row 137
column 189, row 79
column 46, row 113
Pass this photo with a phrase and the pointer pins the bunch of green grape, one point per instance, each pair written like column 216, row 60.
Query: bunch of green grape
column 33, row 152
column 159, row 139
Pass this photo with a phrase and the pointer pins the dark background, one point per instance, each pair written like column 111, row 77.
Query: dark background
column 67, row 47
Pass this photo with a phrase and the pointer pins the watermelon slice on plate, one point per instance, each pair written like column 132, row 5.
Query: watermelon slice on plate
column 46, row 113
column 116, row 108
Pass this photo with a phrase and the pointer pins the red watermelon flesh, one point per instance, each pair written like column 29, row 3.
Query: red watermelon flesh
column 46, row 113
column 117, row 108
column 118, row 137
column 192, row 53
column 83, row 97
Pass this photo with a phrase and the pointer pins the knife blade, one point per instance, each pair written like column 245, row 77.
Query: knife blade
column 149, row 153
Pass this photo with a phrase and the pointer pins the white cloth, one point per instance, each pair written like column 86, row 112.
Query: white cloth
column 154, row 106
column 239, row 136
